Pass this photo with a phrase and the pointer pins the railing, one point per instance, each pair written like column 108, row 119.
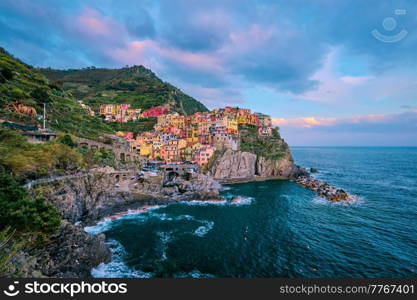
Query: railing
column 32, row 183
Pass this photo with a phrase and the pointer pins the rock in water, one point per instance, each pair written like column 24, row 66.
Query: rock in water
column 324, row 189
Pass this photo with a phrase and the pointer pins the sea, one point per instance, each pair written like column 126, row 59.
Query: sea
column 280, row 229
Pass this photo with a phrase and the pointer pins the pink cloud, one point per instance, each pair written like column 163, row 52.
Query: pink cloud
column 99, row 30
column 136, row 51
column 194, row 60
column 132, row 53
column 310, row 122
column 255, row 36
column 92, row 22
column 305, row 122
column 356, row 79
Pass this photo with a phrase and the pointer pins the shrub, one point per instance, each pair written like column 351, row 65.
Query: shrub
column 67, row 140
column 57, row 85
column 41, row 95
column 34, row 160
column 22, row 213
column 17, row 93
column 6, row 74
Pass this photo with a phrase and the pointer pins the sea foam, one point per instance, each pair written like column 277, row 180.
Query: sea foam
column 117, row 268
column 203, row 230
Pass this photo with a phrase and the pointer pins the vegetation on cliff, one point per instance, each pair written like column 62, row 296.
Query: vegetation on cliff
column 30, row 161
column 270, row 147
column 25, row 222
column 25, row 160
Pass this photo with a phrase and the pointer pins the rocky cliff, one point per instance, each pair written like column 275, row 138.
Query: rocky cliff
column 259, row 156
column 87, row 197
column 70, row 253
column 96, row 195
column 231, row 165
column 268, row 167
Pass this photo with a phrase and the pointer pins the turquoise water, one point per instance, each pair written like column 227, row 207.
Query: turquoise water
column 282, row 229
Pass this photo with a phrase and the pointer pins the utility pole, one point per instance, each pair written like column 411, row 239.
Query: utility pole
column 44, row 117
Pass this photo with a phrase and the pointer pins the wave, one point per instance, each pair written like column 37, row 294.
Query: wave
column 200, row 231
column 203, row 230
column 354, row 200
column 164, row 237
column 117, row 268
column 204, row 202
column 239, row 200
column 106, row 223
column 195, row 274
column 100, row 227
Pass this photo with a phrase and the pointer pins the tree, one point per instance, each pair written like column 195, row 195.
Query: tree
column 5, row 74
column 41, row 95
column 57, row 85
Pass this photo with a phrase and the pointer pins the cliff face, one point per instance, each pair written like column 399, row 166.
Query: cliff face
column 275, row 167
column 245, row 165
column 88, row 197
column 259, row 156
column 70, row 253
column 233, row 164
column 97, row 195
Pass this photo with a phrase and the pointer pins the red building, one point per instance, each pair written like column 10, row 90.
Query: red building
column 156, row 111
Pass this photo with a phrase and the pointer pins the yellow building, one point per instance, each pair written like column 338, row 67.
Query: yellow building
column 182, row 143
column 108, row 109
column 179, row 122
column 145, row 149
column 231, row 126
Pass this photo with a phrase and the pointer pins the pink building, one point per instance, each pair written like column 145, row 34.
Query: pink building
column 129, row 135
column 156, row 111
column 202, row 156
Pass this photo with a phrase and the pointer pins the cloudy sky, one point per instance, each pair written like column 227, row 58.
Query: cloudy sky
column 329, row 72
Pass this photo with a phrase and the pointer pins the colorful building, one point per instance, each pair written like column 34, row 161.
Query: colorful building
column 202, row 156
column 156, row 111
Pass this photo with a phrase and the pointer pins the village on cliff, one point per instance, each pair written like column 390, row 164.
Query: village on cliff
column 193, row 138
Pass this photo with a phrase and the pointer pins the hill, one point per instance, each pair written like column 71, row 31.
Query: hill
column 21, row 84
column 136, row 85
column 24, row 85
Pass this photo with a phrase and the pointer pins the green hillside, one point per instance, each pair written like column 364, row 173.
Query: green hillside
column 136, row 86
column 21, row 82
column 61, row 90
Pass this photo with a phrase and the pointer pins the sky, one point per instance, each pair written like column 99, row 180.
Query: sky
column 329, row 72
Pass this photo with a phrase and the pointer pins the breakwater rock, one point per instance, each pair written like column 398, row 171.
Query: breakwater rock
column 324, row 189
